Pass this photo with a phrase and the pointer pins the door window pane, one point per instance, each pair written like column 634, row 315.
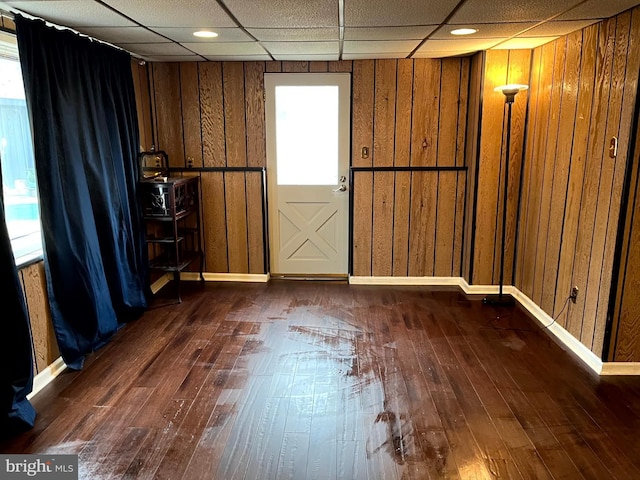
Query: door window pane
column 16, row 156
column 307, row 135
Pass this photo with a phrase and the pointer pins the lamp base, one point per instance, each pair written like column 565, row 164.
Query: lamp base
column 504, row 300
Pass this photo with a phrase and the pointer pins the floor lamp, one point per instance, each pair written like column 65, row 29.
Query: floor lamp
column 510, row 92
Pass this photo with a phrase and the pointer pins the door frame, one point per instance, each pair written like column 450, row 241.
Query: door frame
column 272, row 79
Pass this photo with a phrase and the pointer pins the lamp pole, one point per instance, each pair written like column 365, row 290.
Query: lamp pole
column 510, row 92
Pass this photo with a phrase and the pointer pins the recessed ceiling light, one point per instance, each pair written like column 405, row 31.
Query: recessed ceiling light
column 464, row 31
column 205, row 34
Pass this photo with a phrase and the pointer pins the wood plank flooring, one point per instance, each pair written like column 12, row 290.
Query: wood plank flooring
column 322, row 380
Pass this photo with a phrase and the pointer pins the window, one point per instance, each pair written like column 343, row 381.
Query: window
column 22, row 212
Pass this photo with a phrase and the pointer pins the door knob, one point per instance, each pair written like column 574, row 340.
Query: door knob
column 341, row 188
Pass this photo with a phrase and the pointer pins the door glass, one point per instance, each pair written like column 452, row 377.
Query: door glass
column 307, row 135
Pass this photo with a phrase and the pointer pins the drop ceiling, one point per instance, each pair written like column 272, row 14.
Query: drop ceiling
column 162, row 30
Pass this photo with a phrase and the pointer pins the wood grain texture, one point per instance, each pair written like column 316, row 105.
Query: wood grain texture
column 295, row 67
column 549, row 159
column 341, row 66
column 143, row 103
column 234, row 113
column 624, row 344
column 383, row 217
column 551, row 301
column 628, row 90
column 255, row 226
column 422, row 235
column 212, row 108
column 576, row 191
column 404, row 382
column 45, row 345
column 471, row 154
column 363, row 223
column 168, row 111
column 214, row 223
column 236, row 215
column 401, row 209
column 362, row 111
column 404, row 107
column 191, row 126
column 426, row 102
column 577, row 168
column 587, row 228
column 385, row 112
column 254, row 104
column 318, row 67
column 489, row 162
column 518, row 72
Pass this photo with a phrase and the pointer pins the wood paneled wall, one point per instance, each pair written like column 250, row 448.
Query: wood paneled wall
column 409, row 113
column 406, row 223
column 583, row 93
column 500, row 67
column 45, row 346
column 624, row 345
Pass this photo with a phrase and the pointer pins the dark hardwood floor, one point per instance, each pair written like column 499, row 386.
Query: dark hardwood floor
column 308, row 380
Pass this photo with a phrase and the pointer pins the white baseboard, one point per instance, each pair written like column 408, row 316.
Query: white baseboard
column 589, row 358
column 161, row 282
column 428, row 281
column 47, row 375
column 227, row 277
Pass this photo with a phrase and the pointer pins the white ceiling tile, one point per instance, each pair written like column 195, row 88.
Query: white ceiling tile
column 391, row 46
column 239, row 48
column 485, row 30
column 238, row 58
column 284, row 13
column 299, row 48
column 388, row 33
column 118, row 35
column 523, row 43
column 558, row 28
column 460, row 45
column 171, row 13
column 295, row 34
column 373, row 13
column 307, row 57
column 598, row 9
column 182, row 35
column 73, row 13
column 167, row 48
column 503, row 11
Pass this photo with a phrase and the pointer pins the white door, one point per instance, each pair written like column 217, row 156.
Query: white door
column 307, row 169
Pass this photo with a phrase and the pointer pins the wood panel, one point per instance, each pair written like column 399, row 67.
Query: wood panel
column 254, row 100
column 624, row 344
column 471, row 155
column 168, row 111
column 572, row 191
column 140, row 74
column 234, row 113
column 395, row 232
column 214, row 222
column 212, row 111
column 500, row 67
column 45, row 346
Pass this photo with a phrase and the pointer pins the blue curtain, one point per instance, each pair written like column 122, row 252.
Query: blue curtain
column 16, row 361
column 83, row 118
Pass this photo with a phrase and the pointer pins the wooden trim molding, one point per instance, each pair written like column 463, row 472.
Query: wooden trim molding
column 46, row 376
column 226, row 277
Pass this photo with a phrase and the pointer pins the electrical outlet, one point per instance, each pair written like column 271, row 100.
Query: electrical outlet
column 574, row 294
